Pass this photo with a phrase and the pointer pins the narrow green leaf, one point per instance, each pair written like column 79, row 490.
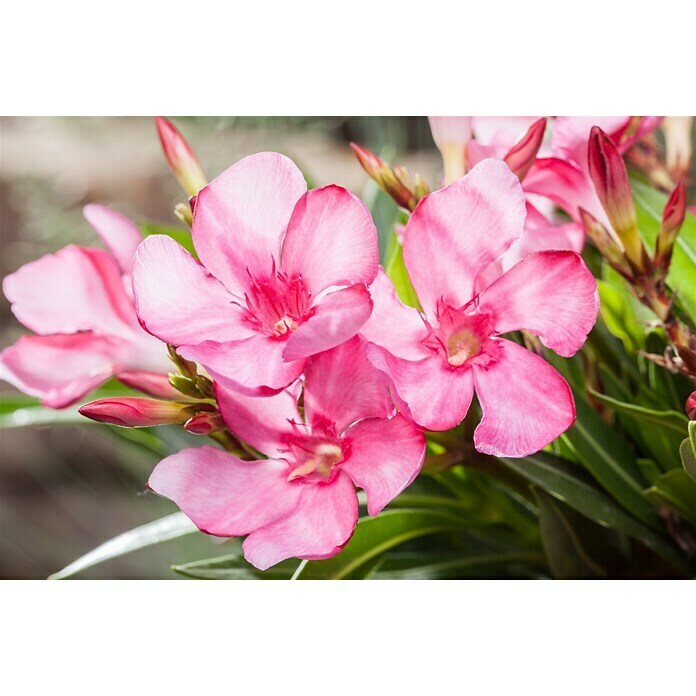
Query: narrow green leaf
column 234, row 567
column 376, row 535
column 607, row 456
column 677, row 491
column 395, row 268
column 40, row 415
column 563, row 481
column 164, row 529
column 688, row 457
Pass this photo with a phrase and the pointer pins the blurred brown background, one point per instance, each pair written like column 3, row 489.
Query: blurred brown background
column 66, row 489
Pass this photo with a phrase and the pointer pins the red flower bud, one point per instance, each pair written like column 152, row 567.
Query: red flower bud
column 181, row 158
column 204, row 423
column 691, row 406
column 136, row 412
column 610, row 179
column 522, row 154
column 672, row 220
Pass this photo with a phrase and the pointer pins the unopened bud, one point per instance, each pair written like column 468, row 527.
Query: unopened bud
column 677, row 131
column 386, row 177
column 452, row 135
column 691, row 406
column 181, row 158
column 610, row 179
column 672, row 220
column 606, row 243
column 522, row 154
column 150, row 383
column 183, row 212
column 136, row 412
column 204, row 423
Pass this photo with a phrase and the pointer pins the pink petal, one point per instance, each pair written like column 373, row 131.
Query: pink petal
column 450, row 130
column 571, row 133
column 393, row 325
column 120, row 235
column 75, row 289
column 550, row 293
column 435, row 395
column 385, row 456
column 261, row 421
column 253, row 366
column 455, row 233
column 526, row 404
column 241, row 217
column 61, row 369
column 178, row 301
column 223, row 495
column 336, row 317
column 331, row 240
column 319, row 527
column 342, row 386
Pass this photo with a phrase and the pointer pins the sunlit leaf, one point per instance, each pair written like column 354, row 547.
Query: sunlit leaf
column 677, row 491
column 234, row 567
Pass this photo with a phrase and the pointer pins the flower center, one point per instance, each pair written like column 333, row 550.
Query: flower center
column 323, row 457
column 278, row 305
column 459, row 337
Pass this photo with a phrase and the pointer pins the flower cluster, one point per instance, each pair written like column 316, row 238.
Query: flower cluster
column 291, row 346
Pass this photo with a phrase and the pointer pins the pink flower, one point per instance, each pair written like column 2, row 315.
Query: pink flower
column 284, row 275
column 79, row 302
column 301, row 501
column 437, row 360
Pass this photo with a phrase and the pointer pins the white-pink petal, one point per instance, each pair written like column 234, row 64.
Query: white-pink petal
column 120, row 235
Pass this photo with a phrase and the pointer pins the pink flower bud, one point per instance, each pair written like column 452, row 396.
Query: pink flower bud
column 606, row 243
column 522, row 154
column 691, row 406
column 452, row 135
column 181, row 158
column 150, row 383
column 204, row 423
column 610, row 179
column 672, row 220
column 136, row 412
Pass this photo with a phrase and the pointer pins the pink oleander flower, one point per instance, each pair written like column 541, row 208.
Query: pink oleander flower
column 437, row 359
column 79, row 303
column 283, row 275
column 301, row 501
column 515, row 140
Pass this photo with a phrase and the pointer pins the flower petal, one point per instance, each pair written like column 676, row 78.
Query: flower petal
column 526, row 404
column 319, row 527
column 385, row 456
column 176, row 299
column 393, row 325
column 342, row 386
column 455, row 233
column 61, row 369
column 253, row 366
column 337, row 317
column 261, row 421
column 241, row 217
column 550, row 293
column 75, row 289
column 331, row 240
column 223, row 495
column 120, row 235
column 435, row 395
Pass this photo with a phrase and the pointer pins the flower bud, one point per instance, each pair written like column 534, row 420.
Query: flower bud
column 610, row 179
column 672, row 220
column 386, row 177
column 136, row 412
column 677, row 131
column 691, row 406
column 522, row 154
column 606, row 243
column 181, row 158
column 204, row 423
column 452, row 135
column 150, row 383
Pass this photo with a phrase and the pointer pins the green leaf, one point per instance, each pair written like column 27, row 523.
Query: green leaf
column 672, row 420
column 621, row 311
column 688, row 457
column 606, row 454
column 564, row 482
column 649, row 207
column 395, row 268
column 178, row 234
column 40, row 415
column 677, row 491
column 234, row 567
column 376, row 535
column 575, row 546
column 164, row 529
